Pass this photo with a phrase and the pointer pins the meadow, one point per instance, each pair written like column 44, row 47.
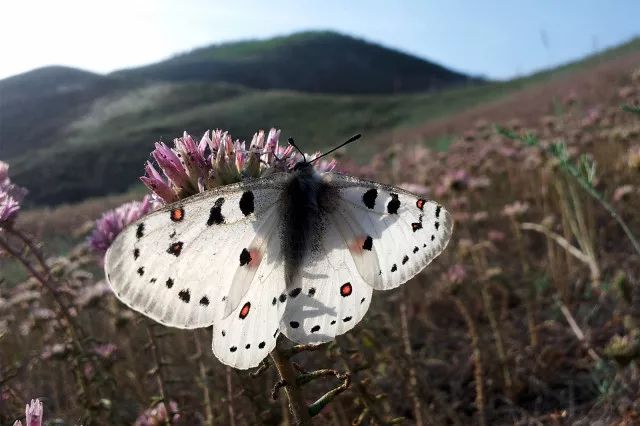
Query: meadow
column 530, row 316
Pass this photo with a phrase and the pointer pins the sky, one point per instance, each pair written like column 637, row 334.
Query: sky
column 498, row 39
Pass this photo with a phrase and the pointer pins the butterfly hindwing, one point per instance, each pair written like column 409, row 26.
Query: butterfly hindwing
column 329, row 297
column 391, row 233
column 170, row 264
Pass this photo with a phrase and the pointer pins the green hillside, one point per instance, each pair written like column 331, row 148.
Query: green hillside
column 319, row 62
column 97, row 143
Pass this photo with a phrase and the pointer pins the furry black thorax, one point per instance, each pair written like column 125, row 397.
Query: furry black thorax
column 305, row 206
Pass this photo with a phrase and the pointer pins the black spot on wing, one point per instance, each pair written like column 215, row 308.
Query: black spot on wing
column 415, row 226
column 245, row 257
column 394, row 204
column 204, row 301
column 369, row 198
column 405, row 259
column 215, row 216
column 312, row 291
column 394, row 268
column 294, row 324
column 233, row 348
column 437, row 225
column 262, row 344
column 184, row 295
column 438, row 211
column 140, row 230
column 295, row 292
column 315, row 329
column 175, row 248
column 246, row 203
column 136, row 253
column 415, row 249
column 141, row 271
column 346, row 319
column 368, row 243
column 169, row 283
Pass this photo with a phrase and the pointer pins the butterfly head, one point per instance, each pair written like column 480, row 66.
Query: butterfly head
column 303, row 166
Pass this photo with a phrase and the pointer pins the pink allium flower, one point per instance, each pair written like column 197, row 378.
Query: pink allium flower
column 114, row 221
column 158, row 415
column 11, row 196
column 456, row 274
column 495, row 235
column 516, row 208
column 33, row 413
column 621, row 192
column 189, row 168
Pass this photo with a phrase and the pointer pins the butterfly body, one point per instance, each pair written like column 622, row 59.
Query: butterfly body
column 298, row 253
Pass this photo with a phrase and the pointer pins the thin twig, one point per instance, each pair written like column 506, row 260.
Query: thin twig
column 578, row 331
column 413, row 380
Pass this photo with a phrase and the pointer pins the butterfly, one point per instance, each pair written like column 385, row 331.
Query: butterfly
column 296, row 253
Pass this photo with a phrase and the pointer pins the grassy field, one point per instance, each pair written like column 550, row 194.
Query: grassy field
column 530, row 316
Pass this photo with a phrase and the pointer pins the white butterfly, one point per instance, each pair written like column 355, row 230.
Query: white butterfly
column 298, row 253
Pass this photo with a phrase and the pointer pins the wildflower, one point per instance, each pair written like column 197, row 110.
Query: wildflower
column 495, row 236
column 189, row 168
column 158, row 415
column 515, row 209
column 456, row 274
column 114, row 221
column 33, row 413
column 633, row 158
column 11, row 196
column 456, row 180
column 621, row 192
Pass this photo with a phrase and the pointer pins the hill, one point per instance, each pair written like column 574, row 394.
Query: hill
column 319, row 62
column 100, row 145
column 35, row 107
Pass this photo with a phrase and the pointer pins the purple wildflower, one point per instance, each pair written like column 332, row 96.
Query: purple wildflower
column 218, row 159
column 114, row 221
column 158, row 415
column 11, row 196
column 33, row 413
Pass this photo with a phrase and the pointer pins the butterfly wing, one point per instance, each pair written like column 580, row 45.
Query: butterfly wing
column 329, row 297
column 244, row 337
column 175, row 265
column 392, row 234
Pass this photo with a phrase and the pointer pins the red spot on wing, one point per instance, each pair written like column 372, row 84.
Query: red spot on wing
column 256, row 258
column 245, row 310
column 420, row 203
column 177, row 214
column 346, row 289
column 356, row 245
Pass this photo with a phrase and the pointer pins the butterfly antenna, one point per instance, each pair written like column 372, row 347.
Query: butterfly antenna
column 293, row 144
column 347, row 142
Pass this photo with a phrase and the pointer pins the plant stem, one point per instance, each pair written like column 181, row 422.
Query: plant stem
column 287, row 373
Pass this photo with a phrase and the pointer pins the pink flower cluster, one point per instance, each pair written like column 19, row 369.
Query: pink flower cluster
column 11, row 196
column 33, row 414
column 158, row 415
column 114, row 221
column 218, row 159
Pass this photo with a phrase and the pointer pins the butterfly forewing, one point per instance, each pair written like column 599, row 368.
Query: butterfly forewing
column 171, row 265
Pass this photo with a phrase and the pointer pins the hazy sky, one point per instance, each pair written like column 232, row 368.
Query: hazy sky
column 498, row 39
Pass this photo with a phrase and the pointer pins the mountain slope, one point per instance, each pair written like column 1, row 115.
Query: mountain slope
column 320, row 62
column 36, row 106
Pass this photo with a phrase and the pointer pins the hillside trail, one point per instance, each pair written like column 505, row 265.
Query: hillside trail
column 591, row 85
